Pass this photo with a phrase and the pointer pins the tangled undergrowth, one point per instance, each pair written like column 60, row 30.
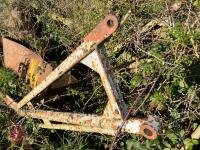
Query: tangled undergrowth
column 155, row 57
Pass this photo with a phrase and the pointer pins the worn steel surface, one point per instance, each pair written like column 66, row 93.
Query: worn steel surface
column 27, row 64
column 115, row 111
column 116, row 107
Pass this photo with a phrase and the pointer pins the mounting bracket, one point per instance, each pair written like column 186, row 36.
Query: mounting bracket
column 92, row 55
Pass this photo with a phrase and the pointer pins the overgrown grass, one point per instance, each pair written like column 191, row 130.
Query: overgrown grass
column 154, row 52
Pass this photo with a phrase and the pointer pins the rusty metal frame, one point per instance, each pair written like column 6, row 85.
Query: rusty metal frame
column 92, row 55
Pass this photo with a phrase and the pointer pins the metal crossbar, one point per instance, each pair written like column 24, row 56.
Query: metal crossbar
column 92, row 55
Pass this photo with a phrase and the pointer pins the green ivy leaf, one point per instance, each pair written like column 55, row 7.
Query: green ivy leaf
column 189, row 143
column 173, row 138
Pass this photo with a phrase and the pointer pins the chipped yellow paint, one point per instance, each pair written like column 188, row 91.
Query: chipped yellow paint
column 33, row 72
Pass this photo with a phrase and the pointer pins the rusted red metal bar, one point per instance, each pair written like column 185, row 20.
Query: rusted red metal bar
column 93, row 56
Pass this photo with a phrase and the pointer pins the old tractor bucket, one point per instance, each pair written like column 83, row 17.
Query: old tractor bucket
column 29, row 65
column 91, row 54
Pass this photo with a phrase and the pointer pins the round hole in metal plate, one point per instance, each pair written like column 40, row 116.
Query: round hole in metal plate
column 148, row 132
column 110, row 23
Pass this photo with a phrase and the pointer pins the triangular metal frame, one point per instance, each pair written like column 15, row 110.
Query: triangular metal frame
column 115, row 111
